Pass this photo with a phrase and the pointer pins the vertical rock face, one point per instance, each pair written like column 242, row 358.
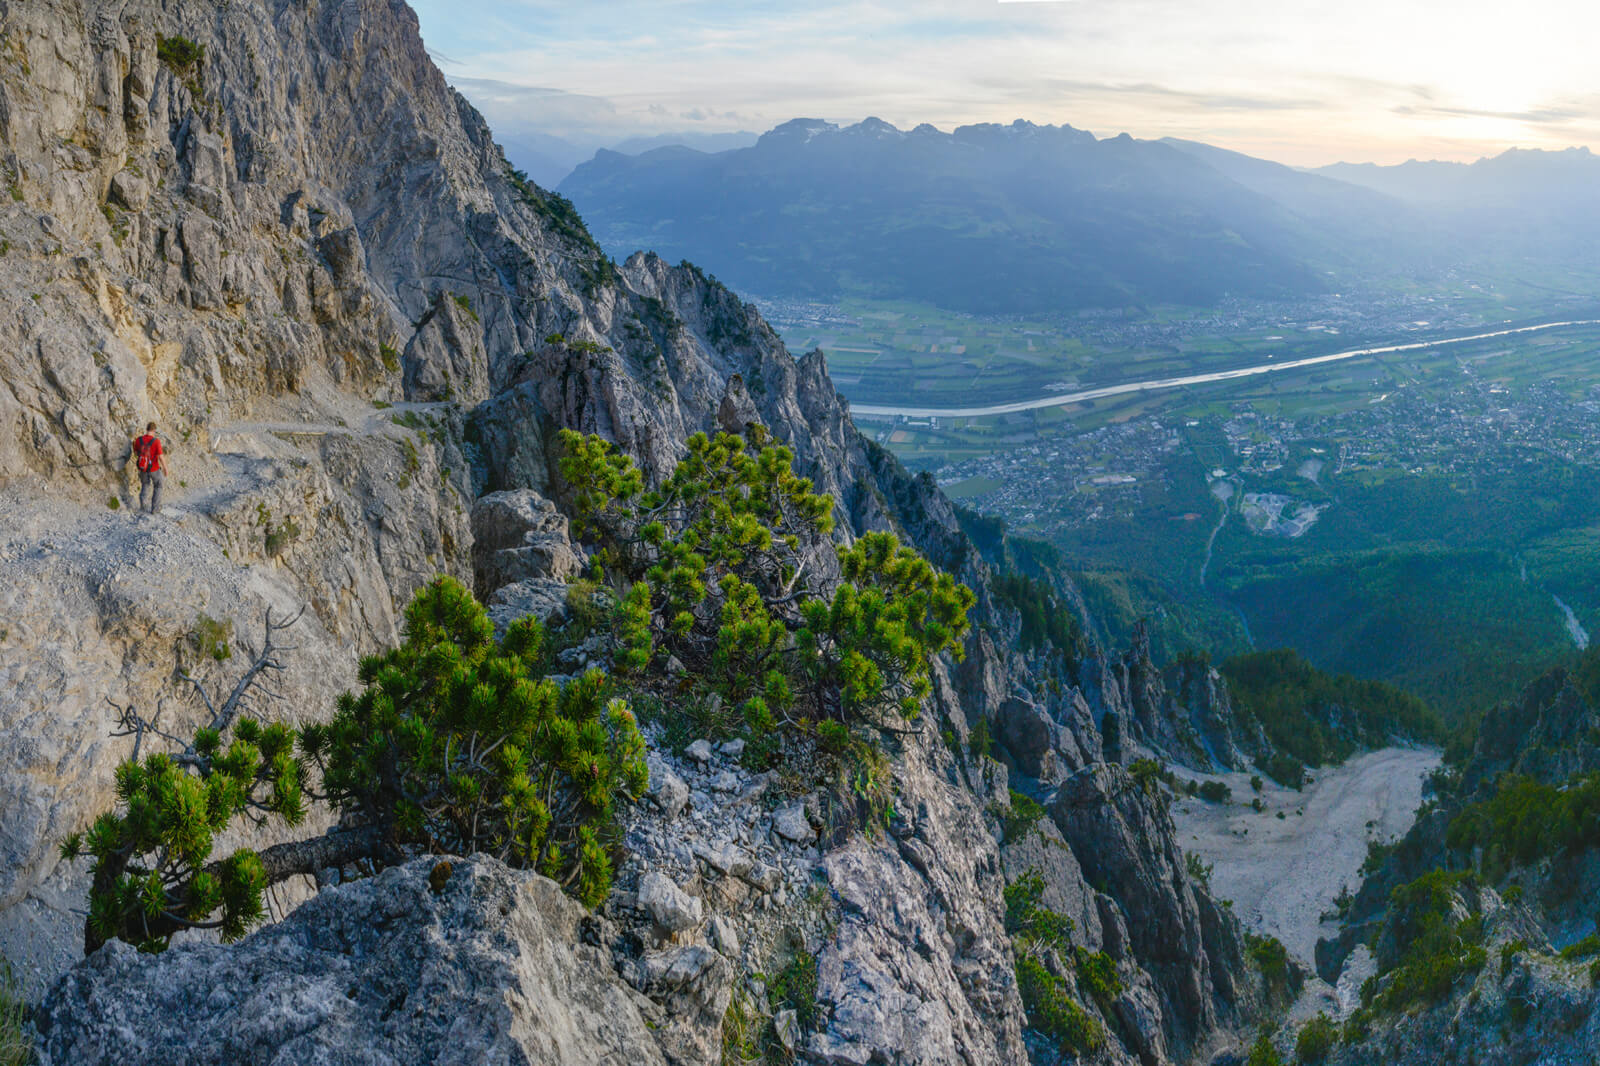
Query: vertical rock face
column 1124, row 841
column 920, row 966
column 302, row 254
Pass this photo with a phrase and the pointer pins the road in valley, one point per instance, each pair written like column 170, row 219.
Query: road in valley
column 1067, row 399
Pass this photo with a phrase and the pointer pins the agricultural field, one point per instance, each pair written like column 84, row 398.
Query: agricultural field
column 1456, row 519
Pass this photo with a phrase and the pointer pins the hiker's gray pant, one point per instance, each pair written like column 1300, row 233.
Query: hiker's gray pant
column 150, row 485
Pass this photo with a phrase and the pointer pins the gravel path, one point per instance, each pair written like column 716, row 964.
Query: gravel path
column 1283, row 874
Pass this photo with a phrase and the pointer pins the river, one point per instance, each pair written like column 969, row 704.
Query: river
column 1069, row 398
column 1580, row 636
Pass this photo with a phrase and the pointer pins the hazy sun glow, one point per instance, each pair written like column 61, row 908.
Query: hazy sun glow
column 1302, row 81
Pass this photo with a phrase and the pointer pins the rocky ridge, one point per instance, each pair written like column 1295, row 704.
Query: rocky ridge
column 301, row 253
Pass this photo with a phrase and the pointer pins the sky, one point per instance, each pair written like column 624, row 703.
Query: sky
column 1304, row 82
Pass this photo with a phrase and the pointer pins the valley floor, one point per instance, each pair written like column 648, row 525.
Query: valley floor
column 1282, row 874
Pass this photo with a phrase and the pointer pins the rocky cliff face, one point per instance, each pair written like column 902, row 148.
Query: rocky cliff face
column 272, row 228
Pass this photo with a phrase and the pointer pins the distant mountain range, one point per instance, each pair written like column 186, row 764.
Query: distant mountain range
column 547, row 158
column 1028, row 218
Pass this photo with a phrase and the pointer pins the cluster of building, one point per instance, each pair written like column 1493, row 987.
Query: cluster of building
column 1069, row 479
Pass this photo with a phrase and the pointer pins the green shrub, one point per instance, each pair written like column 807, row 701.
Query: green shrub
column 547, row 795
column 1199, row 870
column 1508, row 951
column 722, row 544
column 1022, row 816
column 980, row 743
column 1215, row 792
column 1097, row 974
column 1036, row 932
column 1029, row 922
column 1256, row 784
column 1377, row 854
column 1589, row 945
column 114, row 503
column 1054, row 1013
column 277, row 538
column 1286, row 770
column 1150, row 775
column 180, row 54
column 1271, row 957
column 1317, row 1038
column 1434, row 950
column 389, row 355
column 455, row 744
column 1262, row 1053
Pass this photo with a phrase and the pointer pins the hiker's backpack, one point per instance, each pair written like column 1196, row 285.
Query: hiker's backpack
column 148, row 450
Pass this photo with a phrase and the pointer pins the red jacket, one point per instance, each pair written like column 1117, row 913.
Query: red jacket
column 150, row 453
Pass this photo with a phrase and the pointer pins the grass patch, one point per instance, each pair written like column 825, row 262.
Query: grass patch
column 212, row 638
column 16, row 1046
column 795, row 988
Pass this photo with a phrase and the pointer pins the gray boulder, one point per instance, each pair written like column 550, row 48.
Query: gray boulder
column 492, row 968
column 791, row 824
column 667, row 790
column 671, row 908
column 1030, row 735
column 519, row 535
column 541, row 598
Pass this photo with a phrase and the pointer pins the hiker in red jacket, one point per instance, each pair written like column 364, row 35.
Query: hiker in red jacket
column 152, row 459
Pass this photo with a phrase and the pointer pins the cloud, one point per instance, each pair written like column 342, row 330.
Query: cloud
column 1185, row 98
column 1553, row 115
column 1373, row 78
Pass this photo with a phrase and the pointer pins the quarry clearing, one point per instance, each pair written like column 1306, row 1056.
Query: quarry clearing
column 1282, row 874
